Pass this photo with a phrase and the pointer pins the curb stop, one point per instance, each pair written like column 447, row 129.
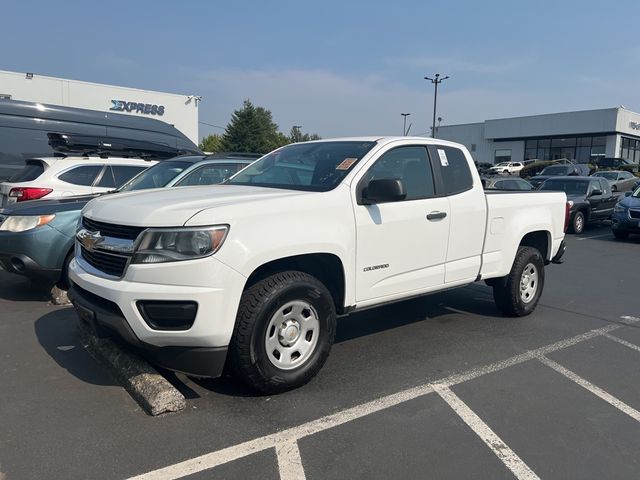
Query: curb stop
column 147, row 387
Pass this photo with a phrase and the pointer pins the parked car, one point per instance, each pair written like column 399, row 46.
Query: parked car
column 507, row 167
column 36, row 238
column 25, row 128
column 54, row 177
column 614, row 163
column 569, row 169
column 626, row 215
column 502, row 183
column 590, row 199
column 620, row 180
column 252, row 273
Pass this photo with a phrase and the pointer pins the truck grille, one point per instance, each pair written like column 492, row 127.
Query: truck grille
column 634, row 213
column 112, row 230
column 105, row 262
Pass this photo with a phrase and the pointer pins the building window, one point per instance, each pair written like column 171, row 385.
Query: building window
column 580, row 149
column 5, row 96
column 503, row 155
column 630, row 149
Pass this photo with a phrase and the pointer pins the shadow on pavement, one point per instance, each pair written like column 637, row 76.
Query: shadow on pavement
column 20, row 289
column 56, row 332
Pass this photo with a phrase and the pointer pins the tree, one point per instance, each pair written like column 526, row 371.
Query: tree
column 296, row 135
column 252, row 129
column 211, row 143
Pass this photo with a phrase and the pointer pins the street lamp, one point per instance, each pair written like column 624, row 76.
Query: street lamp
column 296, row 128
column 404, row 123
column 436, row 81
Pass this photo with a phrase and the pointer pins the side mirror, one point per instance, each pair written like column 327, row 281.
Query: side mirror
column 595, row 191
column 628, row 194
column 383, row 190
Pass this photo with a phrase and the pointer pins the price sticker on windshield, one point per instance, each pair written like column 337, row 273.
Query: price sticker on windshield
column 444, row 161
column 346, row 164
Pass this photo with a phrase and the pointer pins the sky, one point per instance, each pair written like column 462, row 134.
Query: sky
column 341, row 68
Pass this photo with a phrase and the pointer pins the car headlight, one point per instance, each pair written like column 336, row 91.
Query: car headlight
column 22, row 223
column 619, row 208
column 176, row 244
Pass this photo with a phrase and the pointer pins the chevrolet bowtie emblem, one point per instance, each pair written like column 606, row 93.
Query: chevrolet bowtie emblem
column 90, row 240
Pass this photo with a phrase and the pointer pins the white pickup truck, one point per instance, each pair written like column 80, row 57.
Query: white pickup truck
column 250, row 275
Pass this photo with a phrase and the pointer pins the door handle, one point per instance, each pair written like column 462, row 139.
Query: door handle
column 436, row 215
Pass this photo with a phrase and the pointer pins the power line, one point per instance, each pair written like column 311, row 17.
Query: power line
column 212, row 125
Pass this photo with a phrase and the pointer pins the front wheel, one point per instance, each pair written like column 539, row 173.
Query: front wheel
column 284, row 331
column 517, row 294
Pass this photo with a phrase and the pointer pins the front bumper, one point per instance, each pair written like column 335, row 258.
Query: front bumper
column 105, row 319
column 213, row 286
column 37, row 253
column 622, row 222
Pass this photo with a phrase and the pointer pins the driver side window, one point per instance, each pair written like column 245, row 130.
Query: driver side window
column 410, row 165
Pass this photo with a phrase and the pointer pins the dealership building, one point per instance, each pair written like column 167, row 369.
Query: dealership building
column 578, row 136
column 181, row 111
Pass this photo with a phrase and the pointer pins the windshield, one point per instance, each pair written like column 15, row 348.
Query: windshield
column 636, row 194
column 607, row 175
column 503, row 164
column 314, row 167
column 157, row 176
column 570, row 187
column 555, row 170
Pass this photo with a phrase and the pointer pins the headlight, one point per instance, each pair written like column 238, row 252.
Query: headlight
column 173, row 245
column 619, row 208
column 24, row 223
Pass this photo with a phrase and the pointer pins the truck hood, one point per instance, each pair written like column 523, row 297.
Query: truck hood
column 172, row 207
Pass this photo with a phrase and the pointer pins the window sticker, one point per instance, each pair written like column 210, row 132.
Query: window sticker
column 346, row 164
column 443, row 158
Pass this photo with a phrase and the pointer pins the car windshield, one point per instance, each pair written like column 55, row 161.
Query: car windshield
column 314, row 167
column 157, row 176
column 636, row 194
column 607, row 175
column 570, row 187
column 555, row 170
column 502, row 164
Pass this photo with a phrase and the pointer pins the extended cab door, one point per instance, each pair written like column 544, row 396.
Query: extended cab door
column 401, row 246
column 468, row 212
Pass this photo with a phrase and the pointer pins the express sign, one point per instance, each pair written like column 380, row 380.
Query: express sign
column 135, row 107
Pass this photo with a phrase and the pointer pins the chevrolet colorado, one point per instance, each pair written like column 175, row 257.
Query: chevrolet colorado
column 251, row 275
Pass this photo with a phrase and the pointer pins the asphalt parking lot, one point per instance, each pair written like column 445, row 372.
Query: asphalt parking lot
column 437, row 387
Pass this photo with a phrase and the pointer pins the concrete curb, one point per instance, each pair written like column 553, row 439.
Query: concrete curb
column 147, row 387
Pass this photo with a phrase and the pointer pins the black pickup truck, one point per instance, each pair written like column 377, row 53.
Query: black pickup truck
column 590, row 198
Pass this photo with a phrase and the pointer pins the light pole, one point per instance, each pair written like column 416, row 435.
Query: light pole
column 296, row 129
column 436, row 81
column 404, row 123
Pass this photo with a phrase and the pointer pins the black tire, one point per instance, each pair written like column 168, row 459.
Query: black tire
column 578, row 222
column 64, row 282
column 507, row 292
column 248, row 358
column 620, row 234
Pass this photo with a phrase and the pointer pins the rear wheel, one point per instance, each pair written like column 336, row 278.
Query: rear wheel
column 284, row 332
column 577, row 223
column 620, row 234
column 517, row 294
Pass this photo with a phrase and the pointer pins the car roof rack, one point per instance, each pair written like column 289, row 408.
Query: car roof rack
column 104, row 147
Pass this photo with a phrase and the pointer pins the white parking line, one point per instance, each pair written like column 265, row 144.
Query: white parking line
column 595, row 236
column 284, row 437
column 507, row 456
column 289, row 460
column 597, row 391
column 630, row 345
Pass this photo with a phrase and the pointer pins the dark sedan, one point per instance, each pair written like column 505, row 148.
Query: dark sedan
column 626, row 215
column 558, row 171
column 590, row 199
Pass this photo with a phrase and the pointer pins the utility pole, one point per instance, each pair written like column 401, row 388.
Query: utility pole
column 297, row 135
column 436, row 81
column 404, row 123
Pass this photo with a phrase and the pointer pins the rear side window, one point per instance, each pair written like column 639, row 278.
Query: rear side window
column 84, row 175
column 208, row 175
column 117, row 175
column 456, row 176
column 31, row 171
